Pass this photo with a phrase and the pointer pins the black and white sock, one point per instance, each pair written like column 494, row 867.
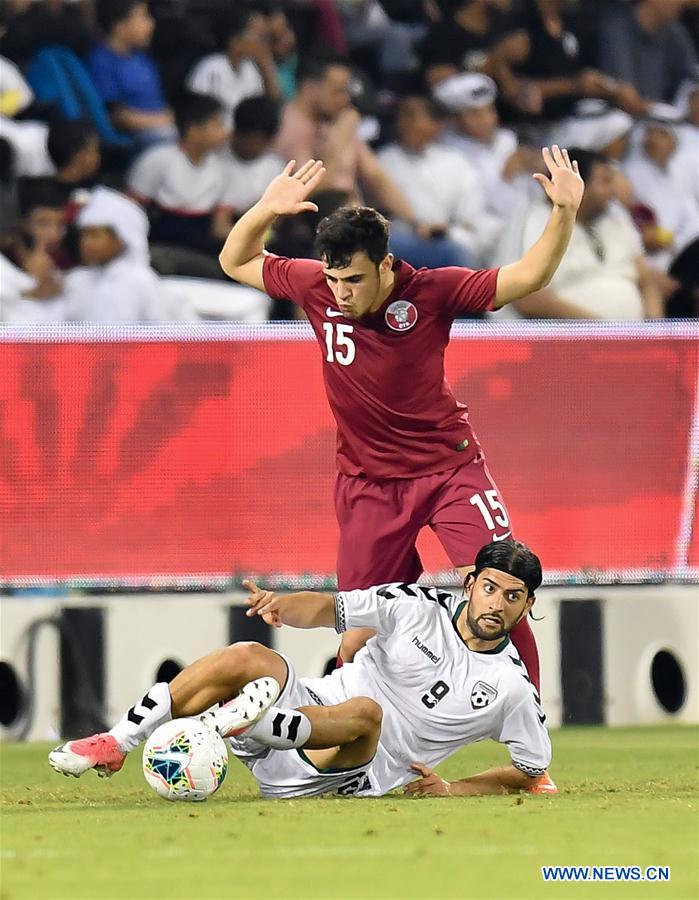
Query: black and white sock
column 144, row 717
column 281, row 729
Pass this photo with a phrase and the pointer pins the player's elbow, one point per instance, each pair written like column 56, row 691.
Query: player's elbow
column 536, row 280
column 225, row 264
column 519, row 280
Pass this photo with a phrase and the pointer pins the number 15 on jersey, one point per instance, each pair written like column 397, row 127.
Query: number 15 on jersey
column 339, row 345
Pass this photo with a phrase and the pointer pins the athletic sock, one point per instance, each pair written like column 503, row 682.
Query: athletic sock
column 281, row 729
column 143, row 718
column 523, row 638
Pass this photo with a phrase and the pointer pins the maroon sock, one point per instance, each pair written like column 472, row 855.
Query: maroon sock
column 523, row 638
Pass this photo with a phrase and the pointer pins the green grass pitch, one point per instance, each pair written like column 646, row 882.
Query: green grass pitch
column 628, row 797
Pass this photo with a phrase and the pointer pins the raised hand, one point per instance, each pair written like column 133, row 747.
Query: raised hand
column 286, row 194
column 565, row 187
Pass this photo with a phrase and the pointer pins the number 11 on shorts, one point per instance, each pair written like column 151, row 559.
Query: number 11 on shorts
column 491, row 509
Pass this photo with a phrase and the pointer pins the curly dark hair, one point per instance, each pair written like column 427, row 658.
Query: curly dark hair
column 350, row 230
column 512, row 557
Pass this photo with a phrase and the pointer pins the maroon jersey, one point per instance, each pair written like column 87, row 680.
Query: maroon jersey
column 384, row 373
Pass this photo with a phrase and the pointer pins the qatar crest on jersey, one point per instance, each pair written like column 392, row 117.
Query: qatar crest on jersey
column 401, row 315
column 482, row 695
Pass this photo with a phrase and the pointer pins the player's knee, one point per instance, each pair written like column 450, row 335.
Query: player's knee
column 368, row 711
column 244, row 659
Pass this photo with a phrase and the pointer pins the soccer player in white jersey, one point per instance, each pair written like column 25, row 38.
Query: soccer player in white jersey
column 440, row 673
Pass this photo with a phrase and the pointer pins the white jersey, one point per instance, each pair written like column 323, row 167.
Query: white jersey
column 437, row 695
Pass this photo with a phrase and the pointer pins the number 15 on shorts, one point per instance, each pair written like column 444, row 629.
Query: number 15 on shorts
column 493, row 512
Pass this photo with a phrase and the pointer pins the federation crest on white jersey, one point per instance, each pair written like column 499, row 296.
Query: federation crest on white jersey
column 482, row 695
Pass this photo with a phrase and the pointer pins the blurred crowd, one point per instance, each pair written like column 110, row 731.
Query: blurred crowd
column 133, row 134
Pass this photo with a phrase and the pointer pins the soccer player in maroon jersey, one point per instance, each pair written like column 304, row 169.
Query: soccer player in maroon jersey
column 406, row 454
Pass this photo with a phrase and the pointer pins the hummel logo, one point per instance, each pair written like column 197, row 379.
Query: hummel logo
column 502, row 537
column 423, row 648
column 332, row 312
column 542, row 718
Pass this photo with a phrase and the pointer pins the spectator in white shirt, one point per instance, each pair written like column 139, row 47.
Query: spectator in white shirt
column 28, row 141
column 115, row 282
column 251, row 162
column 684, row 164
column 603, row 274
column 182, row 185
column 503, row 166
column 443, row 189
column 660, row 187
column 245, row 68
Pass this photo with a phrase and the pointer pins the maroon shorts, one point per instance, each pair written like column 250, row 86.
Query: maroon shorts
column 380, row 521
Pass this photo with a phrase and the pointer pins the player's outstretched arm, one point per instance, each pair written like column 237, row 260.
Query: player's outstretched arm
column 536, row 268
column 304, row 609
column 286, row 195
column 503, row 780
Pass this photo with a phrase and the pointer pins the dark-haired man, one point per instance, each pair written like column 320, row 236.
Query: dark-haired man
column 440, row 673
column 406, row 453
column 321, row 123
column 604, row 274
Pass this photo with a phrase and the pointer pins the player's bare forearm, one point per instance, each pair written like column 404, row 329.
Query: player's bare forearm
column 245, row 241
column 308, row 609
column 302, row 609
column 242, row 256
column 503, row 780
column 536, row 268
column 546, row 304
column 353, row 641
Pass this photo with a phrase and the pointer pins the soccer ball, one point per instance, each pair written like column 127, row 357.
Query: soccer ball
column 185, row 760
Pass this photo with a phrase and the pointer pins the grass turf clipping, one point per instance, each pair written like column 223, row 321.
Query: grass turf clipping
column 627, row 797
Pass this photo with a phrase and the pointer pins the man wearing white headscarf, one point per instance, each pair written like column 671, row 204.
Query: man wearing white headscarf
column 595, row 125
column 475, row 132
column 657, row 174
column 685, row 163
column 115, row 282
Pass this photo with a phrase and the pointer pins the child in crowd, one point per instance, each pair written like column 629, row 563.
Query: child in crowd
column 115, row 282
column 126, row 76
column 183, row 184
column 252, row 163
column 42, row 223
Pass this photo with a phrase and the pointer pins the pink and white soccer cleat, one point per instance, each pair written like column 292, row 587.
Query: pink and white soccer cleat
column 236, row 716
column 100, row 752
column 545, row 785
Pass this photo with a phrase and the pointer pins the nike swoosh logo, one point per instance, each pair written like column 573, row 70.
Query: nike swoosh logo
column 502, row 537
column 332, row 312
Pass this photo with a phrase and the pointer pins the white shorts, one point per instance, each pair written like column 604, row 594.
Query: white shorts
column 289, row 773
